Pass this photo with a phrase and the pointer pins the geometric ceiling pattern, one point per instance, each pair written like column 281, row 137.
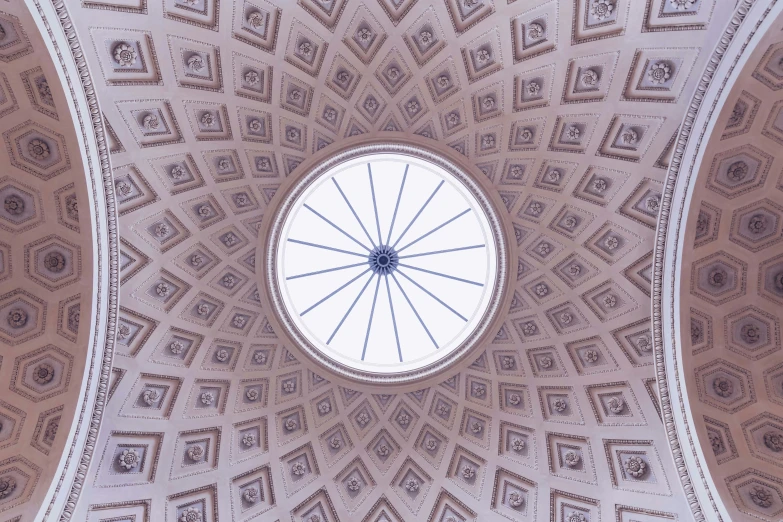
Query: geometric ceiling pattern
column 565, row 111
column 732, row 289
column 46, row 268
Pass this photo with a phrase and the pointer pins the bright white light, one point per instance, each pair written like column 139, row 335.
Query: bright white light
column 386, row 263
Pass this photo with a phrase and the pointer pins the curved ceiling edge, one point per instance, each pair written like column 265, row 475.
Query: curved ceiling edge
column 54, row 22
column 743, row 32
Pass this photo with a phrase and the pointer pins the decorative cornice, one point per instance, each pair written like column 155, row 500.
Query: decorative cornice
column 89, row 119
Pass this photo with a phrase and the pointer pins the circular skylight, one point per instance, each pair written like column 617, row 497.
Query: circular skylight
column 387, row 263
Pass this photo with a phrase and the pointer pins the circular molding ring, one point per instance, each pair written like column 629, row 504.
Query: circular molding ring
column 483, row 328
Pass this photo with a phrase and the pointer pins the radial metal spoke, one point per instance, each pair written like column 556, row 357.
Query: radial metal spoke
column 353, row 211
column 420, row 211
column 375, row 205
column 433, row 296
column 372, row 313
column 414, row 311
column 434, row 230
column 448, row 250
column 441, row 275
column 348, row 312
column 397, row 206
column 349, row 236
column 333, row 293
column 394, row 319
column 335, row 269
column 315, row 245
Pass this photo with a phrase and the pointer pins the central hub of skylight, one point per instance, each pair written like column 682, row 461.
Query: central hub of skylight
column 386, row 263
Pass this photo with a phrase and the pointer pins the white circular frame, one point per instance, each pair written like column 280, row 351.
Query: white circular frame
column 492, row 296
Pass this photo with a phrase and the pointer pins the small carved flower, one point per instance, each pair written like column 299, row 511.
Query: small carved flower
column 38, row 149
column 259, row 357
column 364, row 35
column 14, row 204
column 574, row 269
column 761, row 496
column 702, row 224
column 290, row 424
column 7, row 486
column 570, row 222
column 535, row 208
column 371, row 104
column 560, row 404
column 248, row 439
column 750, row 333
column 476, row 427
column 208, row 119
column 546, row 362
column 535, row 31
column 518, row 445
column 774, row 441
column 403, row 419
column 128, row 458
column 150, row 122
column 443, row 81
column 335, row 443
column 488, row 102
column 292, row 134
column 591, row 356
column 431, row 445
column 343, row 77
column 195, row 453
column 643, row 343
column 572, row 459
column 412, row 485
column 363, row 418
column 576, row 517
column 716, row 442
column 252, row 77
column 383, row 451
column 515, row 500
column 507, row 362
column 324, row 407
column 163, row 289
column 629, row 137
column 601, row 10
column 514, row 399
column 443, row 410
column 72, row 207
column 610, row 301
column 176, row 347
column 653, row 203
column 737, row 171
column 589, row 77
column 682, row 4
column 487, row 141
column 306, row 48
column 191, row 514
column 298, row 469
column 230, row 239
column 717, row 277
column 757, row 224
column 482, row 55
column 207, row 398
column 255, row 125
column 330, row 115
column 195, row 63
column 533, row 88
column 479, row 390
column 222, row 355
column 250, row 495
column 289, row 386
column 123, row 331
column 468, row 472
column 529, row 328
column 660, row 72
column 43, row 373
column 353, row 484
column 723, row 387
column 124, row 55
column 611, row 242
column 202, row 309
column 425, row 37
column 150, row 396
column 295, row 95
column 573, row 132
column 412, row 107
column 204, row 211
column 453, row 119
column 635, row 466
column 600, row 185
column 50, row 432
column 17, row 318
column 615, row 405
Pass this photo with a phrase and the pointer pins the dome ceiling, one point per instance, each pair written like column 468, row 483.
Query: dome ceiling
column 730, row 283
column 54, row 271
column 566, row 112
